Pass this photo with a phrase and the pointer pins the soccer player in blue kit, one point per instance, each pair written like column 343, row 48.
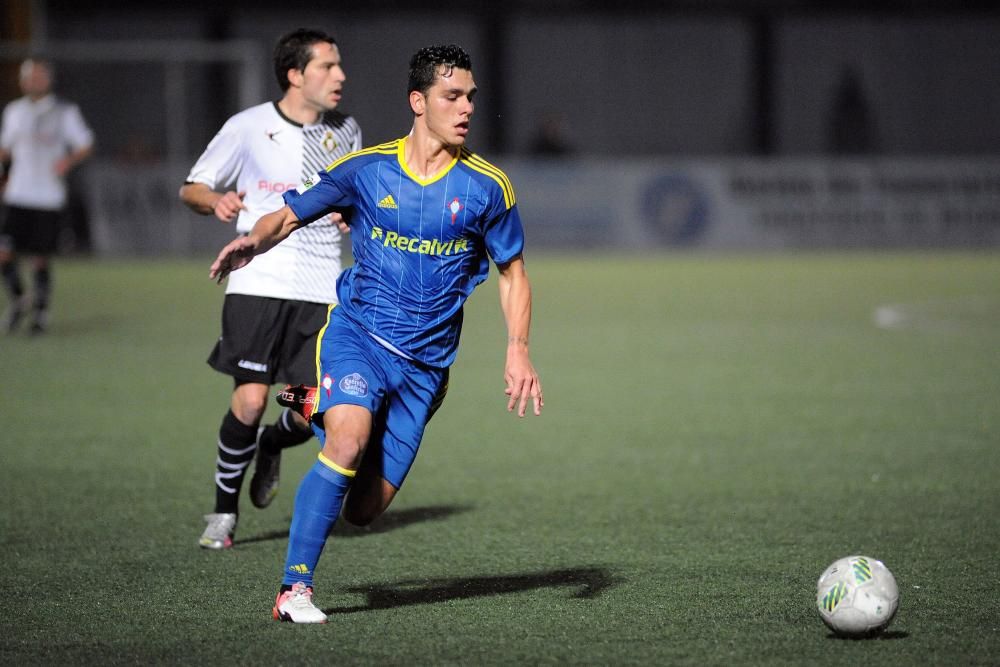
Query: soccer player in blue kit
column 426, row 215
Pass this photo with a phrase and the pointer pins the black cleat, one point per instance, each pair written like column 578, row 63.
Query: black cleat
column 266, row 472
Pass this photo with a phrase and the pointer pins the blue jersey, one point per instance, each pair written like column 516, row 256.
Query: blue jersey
column 420, row 246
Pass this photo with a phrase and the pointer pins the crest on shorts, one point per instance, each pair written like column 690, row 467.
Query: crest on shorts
column 354, row 385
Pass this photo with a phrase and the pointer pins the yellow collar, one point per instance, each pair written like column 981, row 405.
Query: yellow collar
column 400, row 156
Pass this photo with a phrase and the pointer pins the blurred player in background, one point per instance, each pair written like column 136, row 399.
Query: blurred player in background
column 427, row 216
column 273, row 311
column 42, row 138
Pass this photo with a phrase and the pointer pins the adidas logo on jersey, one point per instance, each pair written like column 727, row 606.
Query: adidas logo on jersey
column 387, row 202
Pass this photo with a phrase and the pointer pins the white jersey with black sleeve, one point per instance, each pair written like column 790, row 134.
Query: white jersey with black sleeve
column 263, row 153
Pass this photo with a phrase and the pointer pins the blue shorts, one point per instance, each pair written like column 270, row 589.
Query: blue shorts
column 401, row 394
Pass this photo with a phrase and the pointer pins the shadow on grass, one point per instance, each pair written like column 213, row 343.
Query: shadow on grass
column 589, row 582
column 885, row 636
column 391, row 520
column 394, row 519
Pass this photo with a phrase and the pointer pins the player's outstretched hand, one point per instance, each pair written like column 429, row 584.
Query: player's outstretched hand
column 522, row 384
column 235, row 255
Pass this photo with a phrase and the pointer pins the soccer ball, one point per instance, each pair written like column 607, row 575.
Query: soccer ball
column 857, row 596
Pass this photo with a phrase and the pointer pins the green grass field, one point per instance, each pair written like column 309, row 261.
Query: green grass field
column 717, row 430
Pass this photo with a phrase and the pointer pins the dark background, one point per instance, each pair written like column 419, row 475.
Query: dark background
column 625, row 78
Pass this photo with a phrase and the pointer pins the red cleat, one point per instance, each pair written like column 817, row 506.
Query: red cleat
column 300, row 398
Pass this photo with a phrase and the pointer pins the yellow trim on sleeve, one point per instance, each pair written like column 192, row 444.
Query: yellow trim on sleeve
column 336, row 468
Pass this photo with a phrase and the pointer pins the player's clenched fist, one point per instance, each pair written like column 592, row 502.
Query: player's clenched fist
column 229, row 206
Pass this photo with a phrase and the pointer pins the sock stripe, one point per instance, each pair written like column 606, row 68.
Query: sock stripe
column 218, row 483
column 237, row 445
column 237, row 452
column 286, row 415
column 336, row 468
column 236, row 468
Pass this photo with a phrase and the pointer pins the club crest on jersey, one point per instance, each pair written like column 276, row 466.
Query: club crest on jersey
column 454, row 206
column 329, row 142
column 354, row 385
column 327, row 384
column 308, row 183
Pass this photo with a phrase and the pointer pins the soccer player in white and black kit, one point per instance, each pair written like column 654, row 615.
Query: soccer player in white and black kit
column 272, row 313
column 43, row 137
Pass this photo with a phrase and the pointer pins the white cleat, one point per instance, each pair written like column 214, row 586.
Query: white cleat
column 296, row 606
column 219, row 531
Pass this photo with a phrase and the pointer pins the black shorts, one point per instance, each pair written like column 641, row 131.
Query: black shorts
column 30, row 230
column 267, row 340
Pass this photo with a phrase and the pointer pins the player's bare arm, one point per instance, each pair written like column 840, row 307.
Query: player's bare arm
column 268, row 232
column 66, row 164
column 519, row 373
column 202, row 199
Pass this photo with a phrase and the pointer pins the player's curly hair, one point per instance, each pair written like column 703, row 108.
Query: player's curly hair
column 294, row 51
column 425, row 62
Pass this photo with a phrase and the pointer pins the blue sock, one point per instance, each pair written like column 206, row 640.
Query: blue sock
column 317, row 505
